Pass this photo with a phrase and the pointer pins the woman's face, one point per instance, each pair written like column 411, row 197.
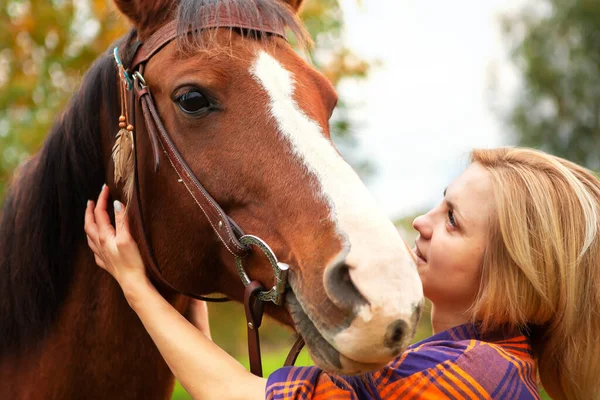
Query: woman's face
column 452, row 239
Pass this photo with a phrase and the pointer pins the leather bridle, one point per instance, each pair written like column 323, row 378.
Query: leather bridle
column 228, row 232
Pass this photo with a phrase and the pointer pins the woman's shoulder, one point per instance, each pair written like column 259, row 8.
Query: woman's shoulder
column 465, row 344
column 454, row 364
column 459, row 363
column 292, row 383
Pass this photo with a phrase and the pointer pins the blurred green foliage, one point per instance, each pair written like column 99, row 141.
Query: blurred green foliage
column 555, row 45
column 46, row 46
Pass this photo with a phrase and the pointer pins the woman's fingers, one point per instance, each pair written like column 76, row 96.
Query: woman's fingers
column 121, row 220
column 105, row 229
column 113, row 247
column 92, row 245
column 123, row 237
column 89, row 226
column 99, row 261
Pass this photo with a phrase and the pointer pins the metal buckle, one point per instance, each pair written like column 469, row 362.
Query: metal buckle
column 280, row 270
column 137, row 77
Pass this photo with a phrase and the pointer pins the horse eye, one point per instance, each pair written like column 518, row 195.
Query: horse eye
column 192, row 102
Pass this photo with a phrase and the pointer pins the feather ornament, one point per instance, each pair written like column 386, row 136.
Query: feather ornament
column 123, row 155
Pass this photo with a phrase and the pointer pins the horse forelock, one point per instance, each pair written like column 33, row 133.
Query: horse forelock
column 192, row 15
column 41, row 223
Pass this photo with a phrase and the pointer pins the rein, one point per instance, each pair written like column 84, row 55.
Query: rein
column 228, row 232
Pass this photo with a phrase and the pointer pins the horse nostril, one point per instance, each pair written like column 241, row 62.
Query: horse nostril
column 340, row 288
column 395, row 334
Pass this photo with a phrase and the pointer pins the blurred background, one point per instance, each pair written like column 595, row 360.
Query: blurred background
column 421, row 83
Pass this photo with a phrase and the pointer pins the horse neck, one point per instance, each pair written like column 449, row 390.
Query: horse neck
column 64, row 323
column 97, row 348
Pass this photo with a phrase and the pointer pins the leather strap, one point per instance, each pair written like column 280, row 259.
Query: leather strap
column 225, row 228
column 294, row 352
column 135, row 208
column 219, row 221
column 148, row 256
column 153, row 139
column 213, row 17
column 254, row 313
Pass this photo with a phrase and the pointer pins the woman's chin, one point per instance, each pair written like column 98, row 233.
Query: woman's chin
column 323, row 354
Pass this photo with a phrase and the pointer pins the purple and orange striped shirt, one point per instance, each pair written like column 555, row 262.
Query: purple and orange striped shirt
column 455, row 364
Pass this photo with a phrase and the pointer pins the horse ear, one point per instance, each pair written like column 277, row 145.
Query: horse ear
column 295, row 4
column 146, row 15
column 129, row 8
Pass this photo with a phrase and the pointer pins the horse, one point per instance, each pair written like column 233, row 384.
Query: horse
column 250, row 117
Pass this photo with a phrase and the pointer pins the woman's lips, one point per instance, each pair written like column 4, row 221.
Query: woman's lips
column 419, row 255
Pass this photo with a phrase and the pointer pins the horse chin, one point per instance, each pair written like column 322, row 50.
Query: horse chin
column 321, row 351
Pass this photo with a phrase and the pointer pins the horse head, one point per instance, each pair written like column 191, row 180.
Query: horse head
column 250, row 118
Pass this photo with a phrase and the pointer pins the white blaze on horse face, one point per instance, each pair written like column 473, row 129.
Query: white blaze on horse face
column 380, row 264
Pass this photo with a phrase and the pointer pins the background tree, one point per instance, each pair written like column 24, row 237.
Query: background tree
column 46, row 46
column 555, row 45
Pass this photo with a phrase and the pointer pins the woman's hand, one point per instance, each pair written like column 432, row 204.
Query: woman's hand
column 114, row 249
column 202, row 367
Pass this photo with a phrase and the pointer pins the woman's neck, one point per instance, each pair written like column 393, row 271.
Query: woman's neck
column 444, row 318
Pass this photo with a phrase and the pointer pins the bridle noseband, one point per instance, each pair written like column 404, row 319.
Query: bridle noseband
column 228, row 232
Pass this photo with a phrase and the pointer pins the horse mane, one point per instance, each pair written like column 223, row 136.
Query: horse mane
column 42, row 219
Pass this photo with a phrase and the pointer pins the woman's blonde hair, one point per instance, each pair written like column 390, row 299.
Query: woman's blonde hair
column 541, row 270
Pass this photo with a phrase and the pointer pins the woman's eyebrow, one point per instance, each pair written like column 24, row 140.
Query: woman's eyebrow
column 453, row 206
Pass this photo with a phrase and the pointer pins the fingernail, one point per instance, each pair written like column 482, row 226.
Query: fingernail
column 118, row 206
column 103, row 186
column 88, row 203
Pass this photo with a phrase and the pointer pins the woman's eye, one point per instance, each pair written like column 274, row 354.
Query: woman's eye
column 451, row 218
column 193, row 102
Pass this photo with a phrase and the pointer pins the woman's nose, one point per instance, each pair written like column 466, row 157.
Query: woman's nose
column 423, row 226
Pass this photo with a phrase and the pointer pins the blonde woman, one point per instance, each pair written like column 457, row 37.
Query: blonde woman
column 509, row 259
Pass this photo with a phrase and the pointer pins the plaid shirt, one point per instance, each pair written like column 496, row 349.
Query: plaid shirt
column 455, row 364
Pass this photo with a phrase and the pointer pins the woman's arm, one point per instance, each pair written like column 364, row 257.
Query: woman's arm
column 202, row 367
column 197, row 314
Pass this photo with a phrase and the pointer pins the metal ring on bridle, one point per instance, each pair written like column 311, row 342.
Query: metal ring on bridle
column 137, row 77
column 279, row 269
